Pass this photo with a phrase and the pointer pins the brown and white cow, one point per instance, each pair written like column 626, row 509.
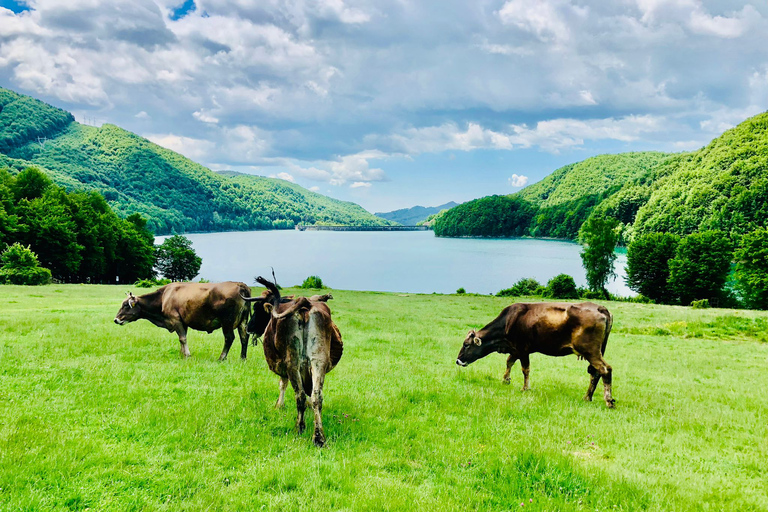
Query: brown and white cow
column 301, row 344
column 554, row 329
column 200, row 306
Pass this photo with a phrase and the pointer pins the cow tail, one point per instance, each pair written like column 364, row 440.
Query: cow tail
column 245, row 291
column 608, row 325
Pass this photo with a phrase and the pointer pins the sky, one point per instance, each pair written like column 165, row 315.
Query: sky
column 396, row 103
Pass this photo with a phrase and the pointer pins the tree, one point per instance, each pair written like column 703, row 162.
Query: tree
column 20, row 266
column 752, row 268
column 700, row 266
column 176, row 259
column 599, row 236
column 648, row 258
column 562, row 286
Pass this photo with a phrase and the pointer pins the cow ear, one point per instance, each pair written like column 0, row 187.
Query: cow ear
column 478, row 341
column 268, row 307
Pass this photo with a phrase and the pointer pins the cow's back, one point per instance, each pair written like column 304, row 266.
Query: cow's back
column 549, row 327
column 206, row 306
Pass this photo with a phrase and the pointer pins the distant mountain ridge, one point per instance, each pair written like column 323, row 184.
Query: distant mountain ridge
column 135, row 175
column 412, row 216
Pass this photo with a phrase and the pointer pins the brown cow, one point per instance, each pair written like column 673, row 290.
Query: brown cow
column 554, row 329
column 199, row 306
column 301, row 345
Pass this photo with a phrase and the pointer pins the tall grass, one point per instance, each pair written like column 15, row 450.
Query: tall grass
column 101, row 417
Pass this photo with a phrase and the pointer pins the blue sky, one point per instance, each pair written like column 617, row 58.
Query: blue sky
column 396, row 103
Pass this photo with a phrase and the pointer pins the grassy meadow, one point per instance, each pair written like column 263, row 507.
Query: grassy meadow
column 102, row 417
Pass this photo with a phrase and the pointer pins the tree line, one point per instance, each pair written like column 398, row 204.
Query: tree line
column 75, row 235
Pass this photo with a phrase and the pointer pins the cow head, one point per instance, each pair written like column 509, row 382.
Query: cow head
column 260, row 316
column 471, row 350
column 130, row 310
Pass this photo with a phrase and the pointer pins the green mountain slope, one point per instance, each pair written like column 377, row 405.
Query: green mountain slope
column 721, row 186
column 593, row 176
column 138, row 176
column 556, row 206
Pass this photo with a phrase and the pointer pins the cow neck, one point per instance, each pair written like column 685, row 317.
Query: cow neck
column 152, row 308
column 494, row 336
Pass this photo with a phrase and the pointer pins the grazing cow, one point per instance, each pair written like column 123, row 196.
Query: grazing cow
column 200, row 306
column 554, row 329
column 301, row 345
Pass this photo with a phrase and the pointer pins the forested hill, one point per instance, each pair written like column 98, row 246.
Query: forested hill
column 174, row 193
column 414, row 215
column 722, row 186
column 555, row 206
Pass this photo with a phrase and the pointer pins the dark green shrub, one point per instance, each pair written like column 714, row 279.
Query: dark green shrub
column 20, row 266
column 151, row 283
column 562, row 286
column 461, row 291
column 525, row 286
column 700, row 304
column 313, row 282
column 592, row 294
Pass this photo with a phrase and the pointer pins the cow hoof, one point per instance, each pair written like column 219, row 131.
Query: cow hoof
column 301, row 428
column 587, row 398
column 506, row 381
column 611, row 404
column 319, row 441
column 524, row 390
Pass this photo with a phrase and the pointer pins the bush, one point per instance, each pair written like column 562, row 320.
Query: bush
column 592, row 294
column 313, row 282
column 525, row 286
column 700, row 304
column 461, row 291
column 562, row 286
column 151, row 283
column 20, row 266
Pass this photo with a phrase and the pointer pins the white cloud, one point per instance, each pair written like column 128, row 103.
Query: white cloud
column 201, row 115
column 285, row 176
column 195, row 149
column 550, row 135
column 360, row 184
column 142, row 115
column 518, row 181
column 546, row 19
column 314, row 188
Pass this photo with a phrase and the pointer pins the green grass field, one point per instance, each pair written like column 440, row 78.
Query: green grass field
column 101, row 417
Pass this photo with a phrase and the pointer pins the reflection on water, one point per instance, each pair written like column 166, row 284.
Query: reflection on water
column 409, row 261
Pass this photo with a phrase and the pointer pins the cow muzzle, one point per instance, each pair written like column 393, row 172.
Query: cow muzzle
column 461, row 363
column 119, row 322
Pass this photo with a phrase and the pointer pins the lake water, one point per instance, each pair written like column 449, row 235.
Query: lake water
column 392, row 261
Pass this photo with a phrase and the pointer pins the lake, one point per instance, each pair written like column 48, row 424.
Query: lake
column 404, row 261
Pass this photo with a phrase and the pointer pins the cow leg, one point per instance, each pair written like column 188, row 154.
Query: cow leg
column 301, row 399
column 605, row 372
column 281, row 399
column 510, row 362
column 318, row 379
column 243, row 340
column 525, row 364
column 594, row 377
column 181, row 331
column 229, row 337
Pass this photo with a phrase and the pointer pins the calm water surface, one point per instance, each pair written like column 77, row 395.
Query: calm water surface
column 407, row 261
